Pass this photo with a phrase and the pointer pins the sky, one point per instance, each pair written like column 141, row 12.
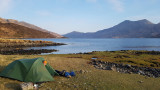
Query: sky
column 64, row 16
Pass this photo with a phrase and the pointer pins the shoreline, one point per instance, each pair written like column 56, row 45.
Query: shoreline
column 26, row 52
column 17, row 43
column 16, row 46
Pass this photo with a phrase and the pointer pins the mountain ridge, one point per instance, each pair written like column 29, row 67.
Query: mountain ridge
column 126, row 29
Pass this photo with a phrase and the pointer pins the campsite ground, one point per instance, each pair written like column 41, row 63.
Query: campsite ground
column 87, row 76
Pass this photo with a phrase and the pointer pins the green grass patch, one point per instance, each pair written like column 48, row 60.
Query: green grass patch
column 138, row 58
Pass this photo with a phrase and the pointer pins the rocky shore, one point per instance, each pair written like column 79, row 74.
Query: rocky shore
column 126, row 68
column 26, row 52
column 16, row 46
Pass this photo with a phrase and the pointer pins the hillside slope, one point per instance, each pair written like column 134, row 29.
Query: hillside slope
column 10, row 28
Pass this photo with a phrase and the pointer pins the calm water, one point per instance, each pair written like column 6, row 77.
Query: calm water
column 88, row 45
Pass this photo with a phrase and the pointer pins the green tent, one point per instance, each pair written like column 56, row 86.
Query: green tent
column 29, row 70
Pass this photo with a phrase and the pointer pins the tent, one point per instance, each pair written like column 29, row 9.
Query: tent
column 29, row 70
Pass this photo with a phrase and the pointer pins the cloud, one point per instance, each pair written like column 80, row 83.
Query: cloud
column 5, row 6
column 117, row 5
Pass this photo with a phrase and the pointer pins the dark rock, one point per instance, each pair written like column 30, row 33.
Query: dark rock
column 26, row 52
column 146, row 71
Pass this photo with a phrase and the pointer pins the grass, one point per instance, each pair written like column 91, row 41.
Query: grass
column 91, row 79
column 125, row 57
column 22, row 41
column 17, row 43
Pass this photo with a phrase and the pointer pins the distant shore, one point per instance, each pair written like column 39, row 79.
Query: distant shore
column 15, row 46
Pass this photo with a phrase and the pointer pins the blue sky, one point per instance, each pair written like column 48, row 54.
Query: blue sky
column 64, row 16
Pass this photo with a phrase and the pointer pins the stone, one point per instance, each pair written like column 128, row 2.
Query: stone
column 113, row 68
column 100, row 65
column 82, row 71
column 108, row 68
column 75, row 86
column 27, row 86
column 140, row 81
column 128, row 65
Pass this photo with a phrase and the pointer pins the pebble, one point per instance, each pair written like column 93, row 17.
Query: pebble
column 75, row 86
column 140, row 81
column 82, row 71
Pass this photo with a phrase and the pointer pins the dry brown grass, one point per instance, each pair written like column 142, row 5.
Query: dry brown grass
column 22, row 41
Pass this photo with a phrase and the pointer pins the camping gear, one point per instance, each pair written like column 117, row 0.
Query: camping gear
column 67, row 75
column 29, row 70
column 61, row 73
column 72, row 73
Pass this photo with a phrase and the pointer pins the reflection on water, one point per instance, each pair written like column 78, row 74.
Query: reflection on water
column 88, row 45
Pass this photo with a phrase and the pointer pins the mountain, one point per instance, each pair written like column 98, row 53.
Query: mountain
column 25, row 29
column 76, row 34
column 126, row 29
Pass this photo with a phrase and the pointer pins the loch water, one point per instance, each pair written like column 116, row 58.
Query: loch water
column 77, row 45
